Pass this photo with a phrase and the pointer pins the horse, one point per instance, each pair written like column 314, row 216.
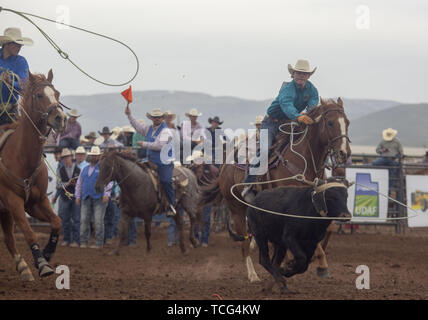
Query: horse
column 328, row 135
column 24, row 176
column 139, row 198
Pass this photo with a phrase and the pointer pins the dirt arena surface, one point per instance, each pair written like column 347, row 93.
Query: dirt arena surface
column 397, row 263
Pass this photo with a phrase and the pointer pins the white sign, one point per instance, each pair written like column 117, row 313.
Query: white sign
column 365, row 200
column 417, row 199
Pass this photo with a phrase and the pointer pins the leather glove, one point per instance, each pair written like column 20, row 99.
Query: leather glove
column 305, row 119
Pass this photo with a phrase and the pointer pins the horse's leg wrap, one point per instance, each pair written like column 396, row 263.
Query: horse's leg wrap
column 40, row 262
column 50, row 248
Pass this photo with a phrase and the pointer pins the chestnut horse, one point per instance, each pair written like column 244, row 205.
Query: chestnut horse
column 328, row 134
column 23, row 173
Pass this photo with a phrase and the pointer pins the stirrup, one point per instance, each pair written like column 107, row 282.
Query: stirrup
column 171, row 211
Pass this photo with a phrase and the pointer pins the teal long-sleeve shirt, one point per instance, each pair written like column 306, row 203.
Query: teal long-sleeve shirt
column 292, row 100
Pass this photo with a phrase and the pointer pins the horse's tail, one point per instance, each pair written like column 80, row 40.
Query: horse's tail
column 211, row 193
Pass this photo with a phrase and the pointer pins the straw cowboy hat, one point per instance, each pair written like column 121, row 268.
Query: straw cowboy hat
column 168, row 113
column 301, row 66
column 73, row 113
column 194, row 113
column 66, row 152
column 196, row 155
column 128, row 128
column 80, row 150
column 115, row 132
column 215, row 119
column 14, row 35
column 259, row 120
column 389, row 134
column 91, row 135
column 155, row 113
column 95, row 151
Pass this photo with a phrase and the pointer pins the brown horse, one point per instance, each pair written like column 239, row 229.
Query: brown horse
column 23, row 173
column 328, row 134
column 138, row 197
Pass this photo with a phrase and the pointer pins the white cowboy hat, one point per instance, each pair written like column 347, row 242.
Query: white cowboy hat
column 80, row 149
column 14, row 35
column 65, row 153
column 73, row 113
column 259, row 120
column 83, row 139
column 168, row 113
column 128, row 128
column 389, row 134
column 115, row 132
column 194, row 113
column 95, row 151
column 196, row 155
column 155, row 113
column 301, row 66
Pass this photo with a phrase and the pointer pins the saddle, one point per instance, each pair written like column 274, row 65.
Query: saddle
column 179, row 180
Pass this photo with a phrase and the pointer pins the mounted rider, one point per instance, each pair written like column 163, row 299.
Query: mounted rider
column 292, row 100
column 157, row 136
column 13, row 72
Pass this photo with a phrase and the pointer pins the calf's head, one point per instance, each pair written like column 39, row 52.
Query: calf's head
column 330, row 198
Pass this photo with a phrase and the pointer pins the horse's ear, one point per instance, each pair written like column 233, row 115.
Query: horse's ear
column 340, row 102
column 322, row 101
column 50, row 76
column 31, row 76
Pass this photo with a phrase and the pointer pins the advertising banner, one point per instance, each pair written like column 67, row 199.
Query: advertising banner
column 417, row 199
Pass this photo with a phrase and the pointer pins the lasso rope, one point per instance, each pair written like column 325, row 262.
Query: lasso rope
column 65, row 55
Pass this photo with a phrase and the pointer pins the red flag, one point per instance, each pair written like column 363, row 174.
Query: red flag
column 127, row 94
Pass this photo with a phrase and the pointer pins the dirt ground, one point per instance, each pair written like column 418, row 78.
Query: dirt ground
column 397, row 264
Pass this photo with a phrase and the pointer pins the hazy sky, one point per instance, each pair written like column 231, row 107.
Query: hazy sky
column 373, row 49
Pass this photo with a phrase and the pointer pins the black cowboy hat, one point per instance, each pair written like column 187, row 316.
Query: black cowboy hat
column 91, row 135
column 215, row 119
column 105, row 130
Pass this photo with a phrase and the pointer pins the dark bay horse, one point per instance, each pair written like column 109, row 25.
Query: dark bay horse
column 23, row 173
column 138, row 197
column 328, row 134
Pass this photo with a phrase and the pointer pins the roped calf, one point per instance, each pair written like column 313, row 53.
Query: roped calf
column 299, row 235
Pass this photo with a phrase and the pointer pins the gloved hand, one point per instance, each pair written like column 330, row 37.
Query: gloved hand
column 305, row 119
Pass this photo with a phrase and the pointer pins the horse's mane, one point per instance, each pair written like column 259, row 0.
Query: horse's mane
column 126, row 155
column 33, row 80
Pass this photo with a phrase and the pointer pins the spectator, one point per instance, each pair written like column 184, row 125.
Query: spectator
column 126, row 136
column 216, row 136
column 92, row 203
column 138, row 137
column 389, row 149
column 92, row 136
column 191, row 132
column 81, row 157
column 67, row 208
column 169, row 118
column 13, row 72
column 425, row 159
column 108, row 141
column 70, row 138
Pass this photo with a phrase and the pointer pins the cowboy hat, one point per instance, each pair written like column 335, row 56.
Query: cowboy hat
column 105, row 130
column 65, row 153
column 389, row 134
column 215, row 119
column 91, row 135
column 155, row 113
column 194, row 113
column 198, row 155
column 168, row 113
column 73, row 113
column 259, row 120
column 115, row 132
column 14, row 35
column 301, row 66
column 95, row 151
column 80, row 149
column 128, row 128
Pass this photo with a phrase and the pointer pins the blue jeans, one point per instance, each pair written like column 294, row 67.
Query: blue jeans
column 165, row 177
column 393, row 172
column 273, row 129
column 96, row 208
column 70, row 215
column 109, row 219
column 206, row 227
column 68, row 143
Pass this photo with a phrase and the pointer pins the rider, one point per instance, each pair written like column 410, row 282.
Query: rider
column 293, row 98
column 13, row 71
column 157, row 136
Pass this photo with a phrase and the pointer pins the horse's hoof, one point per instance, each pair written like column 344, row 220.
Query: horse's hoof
column 45, row 271
column 323, row 273
column 27, row 276
column 283, row 289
